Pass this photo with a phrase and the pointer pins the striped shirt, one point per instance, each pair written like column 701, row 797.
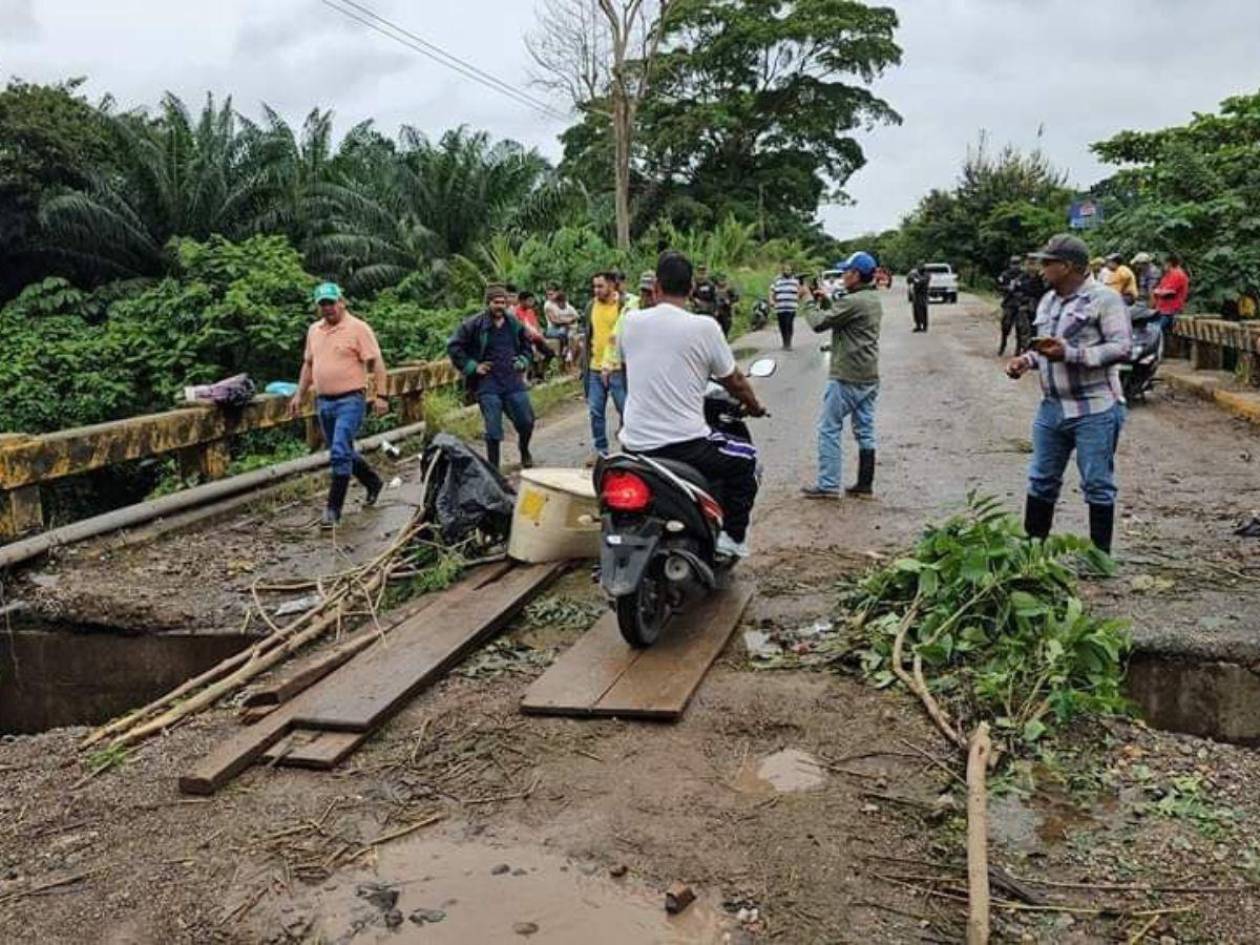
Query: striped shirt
column 785, row 291
column 1093, row 323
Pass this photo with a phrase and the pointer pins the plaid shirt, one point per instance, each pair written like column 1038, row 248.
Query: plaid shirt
column 1094, row 325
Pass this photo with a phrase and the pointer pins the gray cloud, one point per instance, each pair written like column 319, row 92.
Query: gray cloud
column 17, row 20
column 1082, row 71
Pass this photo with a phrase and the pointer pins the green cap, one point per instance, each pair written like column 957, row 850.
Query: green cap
column 327, row 292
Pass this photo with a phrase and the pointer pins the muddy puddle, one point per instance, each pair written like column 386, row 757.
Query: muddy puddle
column 784, row 772
column 439, row 891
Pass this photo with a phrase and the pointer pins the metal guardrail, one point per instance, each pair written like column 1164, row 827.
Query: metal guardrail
column 1210, row 343
column 197, row 434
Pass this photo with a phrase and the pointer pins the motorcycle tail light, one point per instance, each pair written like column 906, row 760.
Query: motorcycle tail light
column 710, row 508
column 625, row 492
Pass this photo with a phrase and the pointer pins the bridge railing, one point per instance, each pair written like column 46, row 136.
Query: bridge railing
column 198, row 435
column 1217, row 344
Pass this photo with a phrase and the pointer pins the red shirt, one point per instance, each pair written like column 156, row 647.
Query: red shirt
column 529, row 318
column 1170, row 294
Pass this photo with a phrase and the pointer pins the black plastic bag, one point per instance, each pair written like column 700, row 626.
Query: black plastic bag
column 466, row 494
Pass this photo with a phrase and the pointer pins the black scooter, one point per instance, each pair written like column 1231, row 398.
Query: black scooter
column 1137, row 375
column 661, row 524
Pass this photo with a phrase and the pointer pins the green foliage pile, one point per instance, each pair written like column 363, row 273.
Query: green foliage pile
column 999, row 627
column 1193, row 189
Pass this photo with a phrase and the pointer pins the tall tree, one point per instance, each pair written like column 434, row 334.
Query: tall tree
column 601, row 54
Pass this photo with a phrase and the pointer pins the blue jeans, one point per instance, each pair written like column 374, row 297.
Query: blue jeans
column 597, row 403
column 518, row 408
column 839, row 401
column 1094, row 438
column 340, row 420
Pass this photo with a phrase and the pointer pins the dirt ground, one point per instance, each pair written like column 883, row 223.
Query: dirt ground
column 594, row 819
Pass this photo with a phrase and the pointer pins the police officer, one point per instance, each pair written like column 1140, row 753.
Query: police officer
column 1010, row 301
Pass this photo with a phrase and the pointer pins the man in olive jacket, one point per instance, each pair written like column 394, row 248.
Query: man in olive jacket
column 854, row 322
column 492, row 350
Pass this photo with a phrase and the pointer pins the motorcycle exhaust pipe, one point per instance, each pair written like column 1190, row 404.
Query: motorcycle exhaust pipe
column 677, row 569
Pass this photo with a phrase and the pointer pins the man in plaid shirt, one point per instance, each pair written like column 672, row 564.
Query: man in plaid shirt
column 1081, row 336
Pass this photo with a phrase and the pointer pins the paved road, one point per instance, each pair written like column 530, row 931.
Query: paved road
column 949, row 421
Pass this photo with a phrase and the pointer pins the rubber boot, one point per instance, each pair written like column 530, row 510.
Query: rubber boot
column 527, row 461
column 1038, row 517
column 369, row 480
column 336, row 500
column 1102, row 524
column 492, row 453
column 864, row 487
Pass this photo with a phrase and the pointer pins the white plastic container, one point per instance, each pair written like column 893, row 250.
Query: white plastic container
column 556, row 517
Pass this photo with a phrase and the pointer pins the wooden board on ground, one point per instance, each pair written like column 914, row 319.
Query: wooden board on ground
column 303, row 748
column 370, row 688
column 602, row 675
column 447, row 609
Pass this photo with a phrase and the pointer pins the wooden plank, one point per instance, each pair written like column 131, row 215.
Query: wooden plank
column 602, row 675
column 581, row 675
column 236, row 753
column 303, row 748
column 660, row 683
column 360, row 695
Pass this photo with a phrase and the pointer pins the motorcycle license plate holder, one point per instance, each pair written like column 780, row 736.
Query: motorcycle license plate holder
column 622, row 561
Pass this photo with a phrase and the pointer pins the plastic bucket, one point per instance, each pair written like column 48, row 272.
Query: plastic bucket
column 556, row 517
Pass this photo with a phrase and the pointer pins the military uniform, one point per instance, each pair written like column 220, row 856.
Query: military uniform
column 1028, row 292
column 1007, row 283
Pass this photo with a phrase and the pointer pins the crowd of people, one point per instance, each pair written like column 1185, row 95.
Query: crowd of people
column 1072, row 317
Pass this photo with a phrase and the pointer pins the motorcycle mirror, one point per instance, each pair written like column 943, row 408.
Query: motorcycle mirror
column 762, row 367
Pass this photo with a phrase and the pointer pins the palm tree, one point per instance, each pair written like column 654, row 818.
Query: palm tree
column 432, row 202
column 295, row 166
column 174, row 177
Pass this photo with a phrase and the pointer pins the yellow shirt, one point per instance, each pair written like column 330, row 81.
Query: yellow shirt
column 1122, row 280
column 603, row 320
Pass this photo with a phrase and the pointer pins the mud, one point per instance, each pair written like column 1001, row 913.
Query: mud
column 453, row 893
column 784, row 772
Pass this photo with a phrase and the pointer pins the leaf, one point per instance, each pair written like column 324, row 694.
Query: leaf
column 1026, row 605
column 1033, row 730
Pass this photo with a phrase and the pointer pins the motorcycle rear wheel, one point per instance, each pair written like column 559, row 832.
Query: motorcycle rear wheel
column 642, row 613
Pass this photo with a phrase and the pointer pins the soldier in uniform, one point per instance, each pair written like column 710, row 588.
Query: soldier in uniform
column 919, row 280
column 704, row 293
column 1028, row 291
column 727, row 296
column 1010, row 301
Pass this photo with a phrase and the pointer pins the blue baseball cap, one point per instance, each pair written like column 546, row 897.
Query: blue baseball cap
column 327, row 292
column 864, row 263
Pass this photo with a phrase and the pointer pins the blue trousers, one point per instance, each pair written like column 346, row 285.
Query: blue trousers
column 340, row 420
column 597, row 393
column 1094, row 438
column 518, row 408
column 840, row 400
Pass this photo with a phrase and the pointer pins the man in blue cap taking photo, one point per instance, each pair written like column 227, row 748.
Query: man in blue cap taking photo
column 854, row 321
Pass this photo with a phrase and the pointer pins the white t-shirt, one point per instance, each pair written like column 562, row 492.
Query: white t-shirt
column 669, row 355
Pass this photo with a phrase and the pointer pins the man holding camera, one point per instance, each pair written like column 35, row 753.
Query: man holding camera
column 854, row 322
column 1081, row 337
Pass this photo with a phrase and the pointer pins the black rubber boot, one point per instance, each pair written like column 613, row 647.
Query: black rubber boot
column 336, row 501
column 369, row 480
column 1102, row 524
column 864, row 487
column 527, row 461
column 492, row 453
column 1038, row 517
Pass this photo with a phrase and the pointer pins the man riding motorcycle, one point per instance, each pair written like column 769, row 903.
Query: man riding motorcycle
column 670, row 355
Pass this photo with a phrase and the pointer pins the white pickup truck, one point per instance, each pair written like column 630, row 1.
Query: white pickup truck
column 942, row 283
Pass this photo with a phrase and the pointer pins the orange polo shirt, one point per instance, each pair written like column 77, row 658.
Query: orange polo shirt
column 338, row 354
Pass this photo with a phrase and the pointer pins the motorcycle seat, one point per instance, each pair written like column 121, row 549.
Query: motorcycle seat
column 683, row 471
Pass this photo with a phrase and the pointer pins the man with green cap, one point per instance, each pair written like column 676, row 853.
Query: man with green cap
column 340, row 350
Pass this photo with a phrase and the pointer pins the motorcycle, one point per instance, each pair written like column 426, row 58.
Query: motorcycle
column 1137, row 375
column 760, row 315
column 660, row 524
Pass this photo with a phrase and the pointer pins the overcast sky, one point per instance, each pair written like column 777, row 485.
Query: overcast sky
column 1080, row 70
